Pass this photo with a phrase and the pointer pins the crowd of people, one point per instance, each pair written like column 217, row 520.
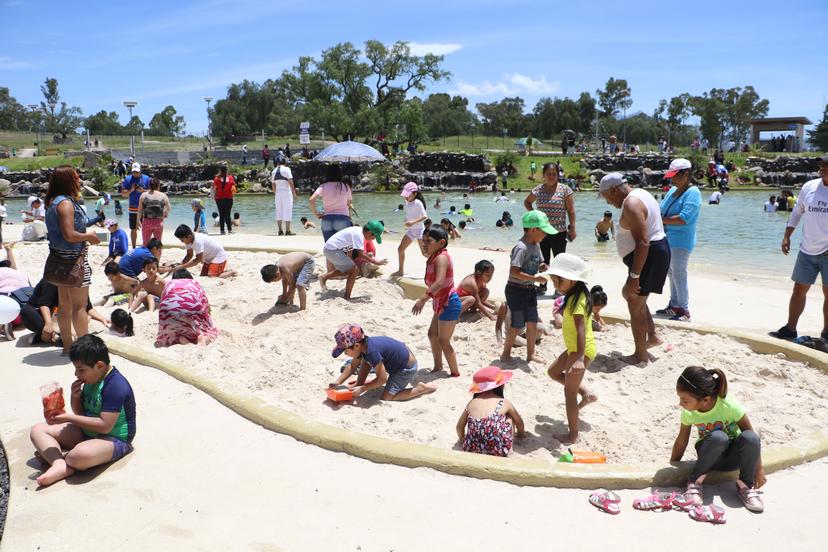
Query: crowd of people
column 653, row 241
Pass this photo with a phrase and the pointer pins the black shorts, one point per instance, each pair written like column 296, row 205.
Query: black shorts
column 552, row 246
column 603, row 237
column 523, row 304
column 654, row 273
column 133, row 221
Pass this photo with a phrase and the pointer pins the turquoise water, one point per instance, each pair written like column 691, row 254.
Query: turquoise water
column 735, row 236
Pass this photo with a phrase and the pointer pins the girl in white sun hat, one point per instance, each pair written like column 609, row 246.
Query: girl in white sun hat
column 569, row 276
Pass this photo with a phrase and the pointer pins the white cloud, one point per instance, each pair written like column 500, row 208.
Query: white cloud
column 511, row 83
column 435, row 48
column 9, row 63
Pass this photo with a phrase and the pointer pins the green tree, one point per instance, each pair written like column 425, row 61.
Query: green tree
column 615, row 97
column 134, row 126
column 412, row 118
column 711, row 109
column 586, row 111
column 819, row 135
column 103, row 123
column 507, row 114
column 63, row 120
column 167, row 123
column 673, row 113
column 742, row 105
column 445, row 115
column 551, row 116
column 12, row 114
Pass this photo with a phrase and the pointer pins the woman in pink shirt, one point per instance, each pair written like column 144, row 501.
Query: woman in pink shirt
column 336, row 201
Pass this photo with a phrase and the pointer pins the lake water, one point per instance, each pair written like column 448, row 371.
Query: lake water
column 735, row 236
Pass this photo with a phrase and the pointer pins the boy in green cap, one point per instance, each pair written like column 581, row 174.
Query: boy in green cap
column 346, row 246
column 521, row 294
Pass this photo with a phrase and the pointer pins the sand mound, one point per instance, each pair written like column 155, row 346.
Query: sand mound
column 283, row 357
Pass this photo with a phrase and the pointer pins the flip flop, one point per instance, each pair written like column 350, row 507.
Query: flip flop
column 606, row 501
column 709, row 514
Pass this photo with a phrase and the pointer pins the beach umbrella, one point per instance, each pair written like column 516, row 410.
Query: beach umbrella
column 349, row 151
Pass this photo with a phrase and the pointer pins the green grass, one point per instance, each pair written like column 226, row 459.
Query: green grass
column 45, row 162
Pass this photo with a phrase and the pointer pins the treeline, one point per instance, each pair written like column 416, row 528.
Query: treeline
column 55, row 116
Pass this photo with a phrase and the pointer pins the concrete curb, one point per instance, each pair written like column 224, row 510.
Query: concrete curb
column 515, row 470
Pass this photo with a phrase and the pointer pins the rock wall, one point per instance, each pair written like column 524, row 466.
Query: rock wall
column 624, row 163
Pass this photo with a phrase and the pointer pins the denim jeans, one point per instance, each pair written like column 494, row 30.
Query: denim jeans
column 679, row 292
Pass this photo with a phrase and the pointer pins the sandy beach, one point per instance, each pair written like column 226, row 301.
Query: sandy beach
column 282, row 356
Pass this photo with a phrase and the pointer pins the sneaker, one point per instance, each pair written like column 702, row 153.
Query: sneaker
column 784, row 333
column 750, row 498
column 681, row 315
column 667, row 313
column 281, row 233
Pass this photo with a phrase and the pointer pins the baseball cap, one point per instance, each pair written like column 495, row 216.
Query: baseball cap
column 611, row 180
column 376, row 228
column 136, row 167
column 537, row 219
column 410, row 188
column 347, row 336
column 676, row 166
column 110, row 222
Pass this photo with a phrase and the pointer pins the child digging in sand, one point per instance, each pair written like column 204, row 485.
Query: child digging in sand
column 393, row 362
column 100, row 427
column 474, row 293
column 439, row 279
column 521, row 293
column 489, row 422
column 346, row 246
column 727, row 440
column 201, row 248
column 568, row 273
column 294, row 270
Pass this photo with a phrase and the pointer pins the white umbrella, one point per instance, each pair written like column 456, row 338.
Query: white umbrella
column 349, row 151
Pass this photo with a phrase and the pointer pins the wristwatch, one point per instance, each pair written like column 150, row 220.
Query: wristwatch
column 634, row 276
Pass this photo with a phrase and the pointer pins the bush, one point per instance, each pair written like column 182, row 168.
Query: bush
column 507, row 159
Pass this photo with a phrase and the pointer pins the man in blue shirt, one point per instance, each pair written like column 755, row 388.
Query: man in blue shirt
column 118, row 242
column 133, row 186
column 132, row 264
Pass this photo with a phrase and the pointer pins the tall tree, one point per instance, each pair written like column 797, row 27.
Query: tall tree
column 12, row 114
column 446, row 115
column 615, row 97
column 103, row 123
column 167, row 123
column 64, row 119
column 711, row 109
column 742, row 105
column 673, row 112
column 586, row 110
column 819, row 135
column 134, row 126
column 507, row 114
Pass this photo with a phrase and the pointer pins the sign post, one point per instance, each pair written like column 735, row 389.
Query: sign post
column 304, row 133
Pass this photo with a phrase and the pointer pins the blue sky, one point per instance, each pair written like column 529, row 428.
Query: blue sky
column 176, row 52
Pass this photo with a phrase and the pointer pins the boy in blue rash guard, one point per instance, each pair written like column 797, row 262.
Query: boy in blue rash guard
column 101, row 426
column 118, row 241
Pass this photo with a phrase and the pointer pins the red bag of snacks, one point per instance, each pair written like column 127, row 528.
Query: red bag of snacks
column 52, row 395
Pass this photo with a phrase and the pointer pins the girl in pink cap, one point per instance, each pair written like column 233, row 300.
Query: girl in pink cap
column 489, row 422
column 415, row 214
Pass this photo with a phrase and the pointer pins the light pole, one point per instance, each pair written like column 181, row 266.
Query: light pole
column 129, row 104
column 505, row 131
column 34, row 108
column 209, row 99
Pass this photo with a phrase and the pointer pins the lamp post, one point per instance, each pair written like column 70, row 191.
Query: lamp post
column 129, row 104
column 505, row 131
column 34, row 108
column 209, row 99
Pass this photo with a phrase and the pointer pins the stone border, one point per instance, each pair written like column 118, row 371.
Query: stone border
column 515, row 470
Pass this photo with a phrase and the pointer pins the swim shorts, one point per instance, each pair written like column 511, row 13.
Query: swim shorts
column 523, row 304
column 654, row 273
column 451, row 312
column 341, row 260
column 121, row 448
column 303, row 277
column 400, row 380
column 213, row 270
column 133, row 221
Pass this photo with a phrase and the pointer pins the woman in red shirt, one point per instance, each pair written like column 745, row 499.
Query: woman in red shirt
column 224, row 186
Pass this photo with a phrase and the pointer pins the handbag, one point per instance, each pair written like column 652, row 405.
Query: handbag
column 61, row 271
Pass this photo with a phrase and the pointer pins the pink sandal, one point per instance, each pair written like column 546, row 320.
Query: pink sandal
column 657, row 501
column 691, row 498
column 606, row 501
column 710, row 514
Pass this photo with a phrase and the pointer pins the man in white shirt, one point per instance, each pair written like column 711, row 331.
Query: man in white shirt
column 201, row 248
column 770, row 204
column 347, row 246
column 715, row 198
column 812, row 260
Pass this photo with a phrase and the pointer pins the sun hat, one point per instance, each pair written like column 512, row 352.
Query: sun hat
column 136, row 167
column 345, row 337
column 110, row 222
column 676, row 166
column 569, row 266
column 376, row 228
column 488, row 378
column 410, row 189
column 823, row 160
column 611, row 180
column 537, row 219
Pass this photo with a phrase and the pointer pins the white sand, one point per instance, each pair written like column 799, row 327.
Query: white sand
column 283, row 357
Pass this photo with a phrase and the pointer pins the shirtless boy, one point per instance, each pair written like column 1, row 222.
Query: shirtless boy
column 605, row 227
column 294, row 271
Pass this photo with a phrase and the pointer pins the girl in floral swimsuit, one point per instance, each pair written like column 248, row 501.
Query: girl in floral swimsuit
column 489, row 422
